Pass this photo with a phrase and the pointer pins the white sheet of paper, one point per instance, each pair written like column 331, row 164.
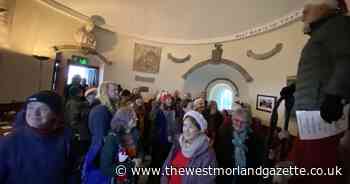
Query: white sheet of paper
column 312, row 127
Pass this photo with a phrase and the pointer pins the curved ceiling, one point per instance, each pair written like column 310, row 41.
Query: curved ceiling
column 185, row 19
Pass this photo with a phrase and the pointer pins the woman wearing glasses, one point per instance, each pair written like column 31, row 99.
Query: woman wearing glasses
column 237, row 146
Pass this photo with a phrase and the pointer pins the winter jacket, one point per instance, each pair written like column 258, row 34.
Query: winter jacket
column 162, row 128
column 214, row 122
column 109, row 156
column 224, row 149
column 20, row 119
column 324, row 63
column 74, row 117
column 91, row 172
column 99, row 123
column 202, row 158
column 27, row 157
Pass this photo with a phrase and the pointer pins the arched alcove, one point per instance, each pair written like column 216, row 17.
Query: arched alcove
column 225, row 62
column 200, row 78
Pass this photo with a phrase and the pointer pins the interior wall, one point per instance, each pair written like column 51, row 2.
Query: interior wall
column 269, row 75
column 36, row 28
column 22, row 75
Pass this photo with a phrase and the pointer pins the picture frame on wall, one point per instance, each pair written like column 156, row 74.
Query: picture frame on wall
column 265, row 103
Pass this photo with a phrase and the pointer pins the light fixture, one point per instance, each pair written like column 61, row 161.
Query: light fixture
column 3, row 6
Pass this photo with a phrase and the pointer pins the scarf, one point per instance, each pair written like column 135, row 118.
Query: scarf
column 241, row 149
column 188, row 149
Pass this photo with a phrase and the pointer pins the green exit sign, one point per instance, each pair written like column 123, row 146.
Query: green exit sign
column 83, row 61
column 80, row 60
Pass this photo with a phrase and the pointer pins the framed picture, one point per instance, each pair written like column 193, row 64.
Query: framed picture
column 147, row 58
column 265, row 103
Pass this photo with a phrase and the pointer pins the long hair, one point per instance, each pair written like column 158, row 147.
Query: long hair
column 103, row 96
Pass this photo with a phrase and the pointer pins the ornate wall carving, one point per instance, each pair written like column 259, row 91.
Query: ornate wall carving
column 179, row 60
column 278, row 48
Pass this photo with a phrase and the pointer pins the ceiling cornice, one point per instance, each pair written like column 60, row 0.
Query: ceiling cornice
column 64, row 10
column 268, row 27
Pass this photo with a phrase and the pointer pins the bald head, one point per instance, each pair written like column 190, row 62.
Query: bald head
column 315, row 10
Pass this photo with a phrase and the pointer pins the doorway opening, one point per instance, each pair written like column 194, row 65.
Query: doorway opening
column 224, row 92
column 85, row 72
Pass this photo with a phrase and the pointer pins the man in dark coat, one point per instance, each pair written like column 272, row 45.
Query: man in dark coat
column 322, row 80
column 75, row 110
column 322, row 83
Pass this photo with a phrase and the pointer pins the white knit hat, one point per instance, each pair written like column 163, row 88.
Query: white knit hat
column 331, row 3
column 199, row 119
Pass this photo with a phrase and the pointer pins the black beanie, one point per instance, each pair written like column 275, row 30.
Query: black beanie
column 50, row 98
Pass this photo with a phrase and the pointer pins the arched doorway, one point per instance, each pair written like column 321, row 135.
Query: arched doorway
column 223, row 91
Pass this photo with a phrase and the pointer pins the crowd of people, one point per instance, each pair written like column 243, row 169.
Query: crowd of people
column 84, row 138
column 86, row 134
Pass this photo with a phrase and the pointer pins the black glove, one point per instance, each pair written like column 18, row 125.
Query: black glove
column 332, row 108
column 287, row 91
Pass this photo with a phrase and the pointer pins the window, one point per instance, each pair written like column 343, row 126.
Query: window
column 223, row 92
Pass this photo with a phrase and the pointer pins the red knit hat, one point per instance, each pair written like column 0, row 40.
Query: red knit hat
column 164, row 97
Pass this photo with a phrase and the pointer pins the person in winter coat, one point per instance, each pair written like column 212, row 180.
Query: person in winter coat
column 186, row 105
column 163, row 132
column 215, row 119
column 74, row 118
column 76, row 80
column 237, row 145
column 227, row 117
column 101, row 115
column 143, row 123
column 322, row 84
column 122, row 147
column 191, row 150
column 39, row 152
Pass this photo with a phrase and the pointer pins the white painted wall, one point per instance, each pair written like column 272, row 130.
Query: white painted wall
column 269, row 75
